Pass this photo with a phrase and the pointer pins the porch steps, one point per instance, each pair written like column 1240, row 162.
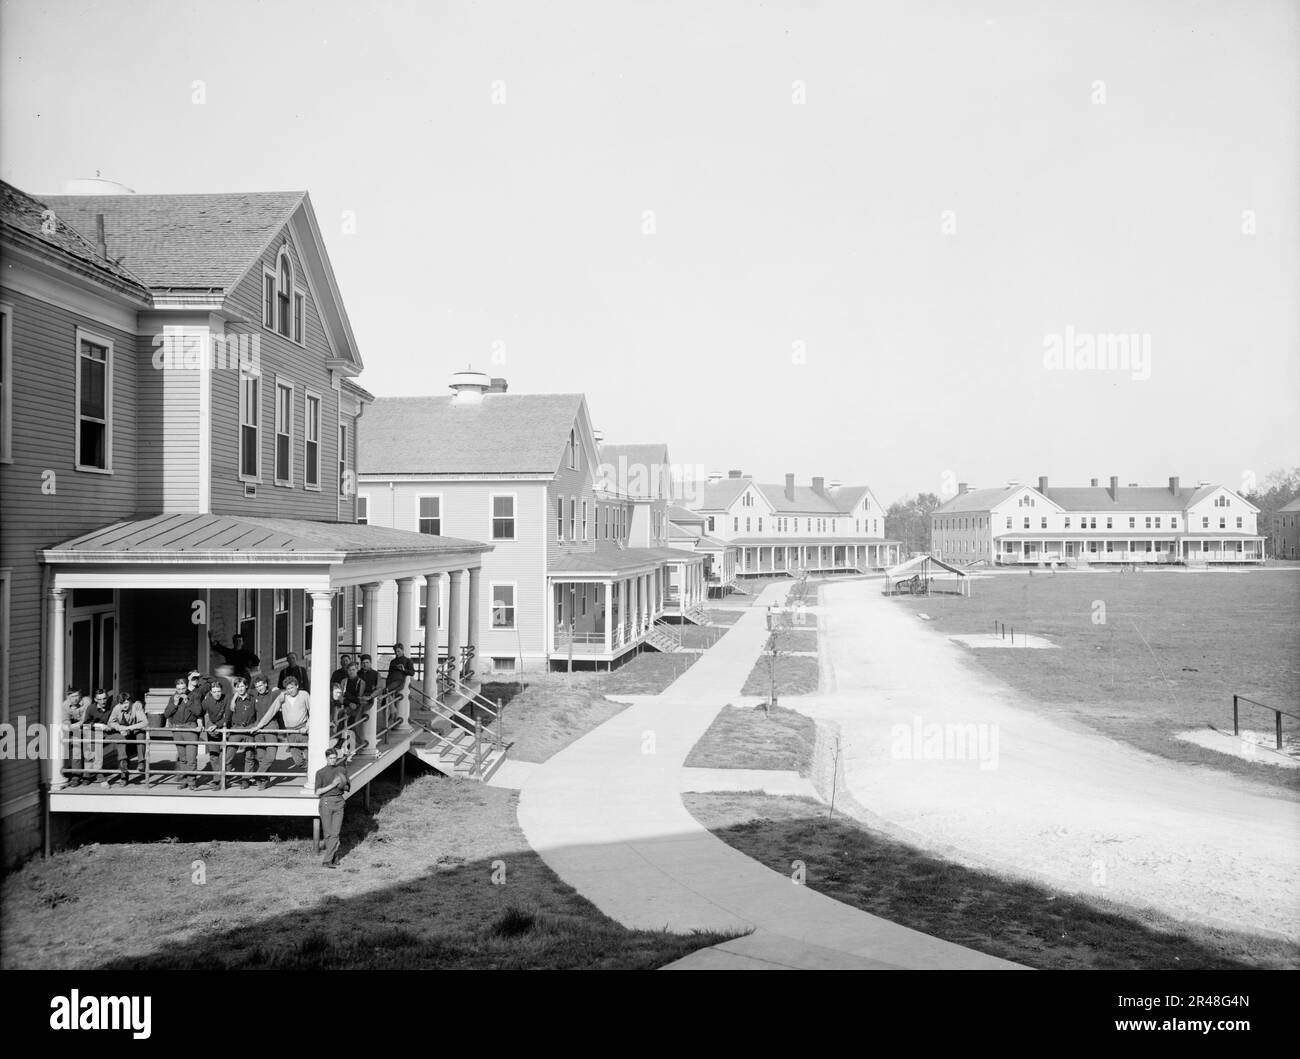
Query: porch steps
column 697, row 615
column 445, row 738
column 662, row 640
column 452, row 754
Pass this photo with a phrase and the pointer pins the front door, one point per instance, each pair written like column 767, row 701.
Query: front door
column 92, row 654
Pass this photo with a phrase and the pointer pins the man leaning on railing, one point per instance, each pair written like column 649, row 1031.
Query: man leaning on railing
column 129, row 720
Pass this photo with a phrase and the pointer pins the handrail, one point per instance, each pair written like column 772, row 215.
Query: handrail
column 75, row 735
column 1277, row 716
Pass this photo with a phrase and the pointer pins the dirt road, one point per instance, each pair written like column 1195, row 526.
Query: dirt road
column 956, row 761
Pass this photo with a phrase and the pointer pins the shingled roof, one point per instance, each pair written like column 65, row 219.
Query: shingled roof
column 28, row 220
column 640, row 470
column 504, row 433
column 183, row 242
column 720, row 495
column 1086, row 498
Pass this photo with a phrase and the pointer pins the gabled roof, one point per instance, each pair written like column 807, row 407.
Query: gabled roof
column 28, row 220
column 1127, row 498
column 183, row 242
column 196, row 537
column 1088, row 498
column 720, row 495
column 684, row 515
column 1293, row 506
column 504, row 433
column 640, row 471
column 977, row 500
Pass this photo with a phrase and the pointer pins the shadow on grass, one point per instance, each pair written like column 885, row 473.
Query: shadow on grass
column 436, row 874
column 993, row 914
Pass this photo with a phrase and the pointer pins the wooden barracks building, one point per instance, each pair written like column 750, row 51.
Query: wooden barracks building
column 179, row 416
column 1021, row 524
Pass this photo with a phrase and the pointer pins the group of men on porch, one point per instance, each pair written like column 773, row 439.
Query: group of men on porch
column 235, row 713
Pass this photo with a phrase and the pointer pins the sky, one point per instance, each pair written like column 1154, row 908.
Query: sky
column 866, row 241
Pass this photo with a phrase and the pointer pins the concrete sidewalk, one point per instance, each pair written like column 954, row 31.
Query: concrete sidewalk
column 606, row 815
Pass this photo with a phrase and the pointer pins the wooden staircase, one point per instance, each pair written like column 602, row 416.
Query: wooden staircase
column 662, row 637
column 464, row 742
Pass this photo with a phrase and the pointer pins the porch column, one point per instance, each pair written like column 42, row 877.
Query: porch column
column 453, row 619
column 318, row 718
column 472, row 618
column 369, row 605
column 432, row 600
column 55, row 638
column 609, row 615
column 402, row 633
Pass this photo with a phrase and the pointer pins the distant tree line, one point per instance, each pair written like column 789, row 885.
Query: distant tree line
column 908, row 520
column 1279, row 489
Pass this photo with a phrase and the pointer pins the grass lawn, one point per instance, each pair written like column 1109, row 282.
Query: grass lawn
column 547, row 711
column 752, row 738
column 723, row 617
column 799, row 639
column 414, row 890
column 795, row 675
column 648, row 673
column 1002, row 917
column 1172, row 651
column 702, row 637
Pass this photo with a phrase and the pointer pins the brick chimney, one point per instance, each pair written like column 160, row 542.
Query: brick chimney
column 962, row 487
column 1114, row 488
column 819, row 485
column 1173, row 486
column 789, row 486
column 498, row 385
column 101, row 243
column 1094, row 483
column 1042, row 484
column 735, row 474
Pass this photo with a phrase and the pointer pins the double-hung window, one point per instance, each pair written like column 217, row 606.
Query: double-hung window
column 281, row 646
column 503, row 518
column 343, row 460
column 311, row 469
column 503, row 606
column 283, row 434
column 431, row 515
column 249, row 416
column 94, row 403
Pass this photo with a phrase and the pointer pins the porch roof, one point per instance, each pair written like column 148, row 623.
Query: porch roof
column 207, row 538
column 795, row 541
column 1077, row 536
column 608, row 558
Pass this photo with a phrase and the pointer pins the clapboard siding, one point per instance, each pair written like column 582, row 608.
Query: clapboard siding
column 466, row 514
column 167, row 432
column 305, row 368
column 44, row 358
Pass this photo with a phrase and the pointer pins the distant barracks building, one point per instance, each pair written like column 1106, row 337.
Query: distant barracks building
column 1079, row 525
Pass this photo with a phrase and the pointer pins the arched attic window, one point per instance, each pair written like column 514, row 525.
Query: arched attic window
column 284, row 293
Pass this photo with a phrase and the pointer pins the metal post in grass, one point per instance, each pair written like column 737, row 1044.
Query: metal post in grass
column 1277, row 721
column 1234, row 716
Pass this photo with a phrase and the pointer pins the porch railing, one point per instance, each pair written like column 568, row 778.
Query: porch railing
column 222, row 746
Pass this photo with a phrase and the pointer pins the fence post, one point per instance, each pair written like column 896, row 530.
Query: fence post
column 1234, row 715
column 501, row 724
column 478, row 750
column 1277, row 720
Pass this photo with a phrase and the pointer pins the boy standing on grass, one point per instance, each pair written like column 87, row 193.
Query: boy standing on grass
column 331, row 787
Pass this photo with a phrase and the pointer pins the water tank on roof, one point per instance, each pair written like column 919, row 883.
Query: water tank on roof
column 95, row 186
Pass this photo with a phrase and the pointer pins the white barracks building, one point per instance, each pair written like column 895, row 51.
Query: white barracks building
column 783, row 529
column 1097, row 524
